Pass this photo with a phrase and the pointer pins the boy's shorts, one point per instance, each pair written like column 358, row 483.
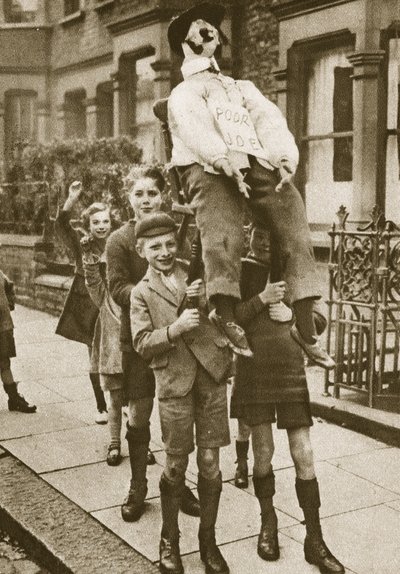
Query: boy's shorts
column 287, row 415
column 204, row 406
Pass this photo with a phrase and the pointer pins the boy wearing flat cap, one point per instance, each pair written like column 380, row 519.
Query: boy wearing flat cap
column 230, row 143
column 191, row 360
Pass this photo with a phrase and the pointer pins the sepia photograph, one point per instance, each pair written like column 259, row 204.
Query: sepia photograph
column 200, row 286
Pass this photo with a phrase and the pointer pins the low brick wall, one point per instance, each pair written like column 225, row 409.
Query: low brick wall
column 24, row 259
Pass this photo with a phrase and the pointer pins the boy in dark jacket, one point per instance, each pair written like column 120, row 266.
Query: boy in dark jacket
column 272, row 387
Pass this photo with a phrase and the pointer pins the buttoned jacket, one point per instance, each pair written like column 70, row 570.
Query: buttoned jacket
column 153, row 309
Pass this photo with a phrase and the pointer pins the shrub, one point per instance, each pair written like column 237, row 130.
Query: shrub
column 100, row 164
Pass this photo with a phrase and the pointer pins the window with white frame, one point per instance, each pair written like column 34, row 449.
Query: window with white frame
column 329, row 134
column 136, row 99
column 20, row 119
column 145, row 120
column 20, row 11
column 392, row 208
column 75, row 114
column 104, row 110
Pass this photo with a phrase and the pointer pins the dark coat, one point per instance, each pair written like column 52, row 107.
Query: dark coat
column 6, row 303
column 79, row 315
column 276, row 372
column 125, row 268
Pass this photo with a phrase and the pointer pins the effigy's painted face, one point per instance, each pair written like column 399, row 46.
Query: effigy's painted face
column 202, row 39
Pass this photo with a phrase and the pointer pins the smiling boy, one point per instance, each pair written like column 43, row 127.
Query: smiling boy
column 191, row 360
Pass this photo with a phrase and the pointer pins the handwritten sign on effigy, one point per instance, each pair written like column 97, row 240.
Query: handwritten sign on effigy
column 237, row 129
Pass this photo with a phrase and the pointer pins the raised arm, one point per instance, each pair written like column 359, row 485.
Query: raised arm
column 68, row 235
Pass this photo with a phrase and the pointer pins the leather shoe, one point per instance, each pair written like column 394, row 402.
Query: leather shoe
column 234, row 334
column 210, row 553
column 268, row 546
column 20, row 404
column 189, row 503
column 170, row 559
column 242, row 476
column 316, row 552
column 114, row 455
column 133, row 506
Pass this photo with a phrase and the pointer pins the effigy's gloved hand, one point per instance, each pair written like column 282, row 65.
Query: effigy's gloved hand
column 223, row 165
column 286, row 171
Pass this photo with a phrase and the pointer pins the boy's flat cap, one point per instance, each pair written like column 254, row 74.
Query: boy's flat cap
column 155, row 224
column 179, row 26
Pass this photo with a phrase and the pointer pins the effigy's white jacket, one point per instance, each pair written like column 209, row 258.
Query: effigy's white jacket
column 195, row 136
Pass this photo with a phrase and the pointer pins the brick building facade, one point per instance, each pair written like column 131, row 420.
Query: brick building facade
column 77, row 68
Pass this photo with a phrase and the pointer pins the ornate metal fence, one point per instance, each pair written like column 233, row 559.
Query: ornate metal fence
column 364, row 308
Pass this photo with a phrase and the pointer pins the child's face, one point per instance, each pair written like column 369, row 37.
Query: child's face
column 145, row 197
column 260, row 244
column 100, row 224
column 160, row 251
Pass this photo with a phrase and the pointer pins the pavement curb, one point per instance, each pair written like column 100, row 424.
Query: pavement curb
column 36, row 514
column 345, row 417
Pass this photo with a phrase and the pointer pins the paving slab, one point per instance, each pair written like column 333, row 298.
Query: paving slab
column 394, row 504
column 98, row 486
column 72, row 388
column 238, row 517
column 379, row 467
column 365, row 540
column 62, row 449
column 34, row 393
column 340, row 492
column 83, row 410
column 14, row 424
column 242, row 558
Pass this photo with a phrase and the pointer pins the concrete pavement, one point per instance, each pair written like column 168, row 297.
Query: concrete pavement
column 61, row 444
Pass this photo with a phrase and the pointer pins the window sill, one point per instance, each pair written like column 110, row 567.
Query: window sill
column 72, row 18
column 103, row 5
column 23, row 25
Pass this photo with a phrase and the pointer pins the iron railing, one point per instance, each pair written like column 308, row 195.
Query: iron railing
column 364, row 308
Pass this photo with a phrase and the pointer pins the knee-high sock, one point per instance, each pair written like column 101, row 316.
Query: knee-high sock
column 308, row 496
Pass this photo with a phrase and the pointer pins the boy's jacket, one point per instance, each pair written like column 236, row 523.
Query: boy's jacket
column 153, row 308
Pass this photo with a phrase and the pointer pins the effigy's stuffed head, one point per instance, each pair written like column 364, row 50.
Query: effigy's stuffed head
column 197, row 30
column 202, row 39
